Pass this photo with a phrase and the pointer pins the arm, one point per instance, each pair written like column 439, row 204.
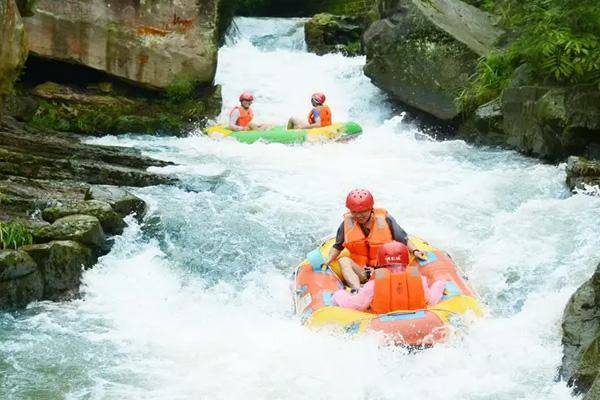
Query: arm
column 400, row 235
column 338, row 246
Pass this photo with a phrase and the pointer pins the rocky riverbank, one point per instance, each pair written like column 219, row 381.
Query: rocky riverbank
column 61, row 201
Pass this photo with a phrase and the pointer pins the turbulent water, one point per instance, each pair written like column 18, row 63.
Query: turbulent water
column 195, row 303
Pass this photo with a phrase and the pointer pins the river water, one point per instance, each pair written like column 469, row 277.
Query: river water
column 195, row 303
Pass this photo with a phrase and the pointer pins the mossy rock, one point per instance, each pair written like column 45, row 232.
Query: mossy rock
column 327, row 33
column 61, row 264
column 111, row 221
column 80, row 228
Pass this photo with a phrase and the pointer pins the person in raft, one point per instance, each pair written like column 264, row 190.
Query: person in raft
column 393, row 285
column 363, row 230
column 320, row 114
column 240, row 118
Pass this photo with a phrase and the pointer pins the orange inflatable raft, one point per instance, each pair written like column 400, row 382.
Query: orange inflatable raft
column 315, row 285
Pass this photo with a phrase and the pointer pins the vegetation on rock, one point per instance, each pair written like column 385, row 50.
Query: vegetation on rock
column 558, row 40
column 13, row 235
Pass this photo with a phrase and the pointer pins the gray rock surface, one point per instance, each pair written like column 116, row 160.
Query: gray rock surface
column 20, row 280
column 149, row 43
column 60, row 264
column 81, row 228
column 423, row 52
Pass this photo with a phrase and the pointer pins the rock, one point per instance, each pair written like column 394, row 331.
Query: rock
column 22, row 108
column 484, row 126
column 581, row 329
column 149, row 43
column 327, row 33
column 121, row 200
column 26, row 152
column 477, row 29
column 15, row 264
column 81, row 228
column 54, row 91
column 13, row 47
column 581, row 172
column 594, row 392
column 588, row 366
column 20, row 280
column 60, row 264
column 99, row 109
column 423, row 52
column 552, row 123
column 22, row 196
column 111, row 221
column 489, row 117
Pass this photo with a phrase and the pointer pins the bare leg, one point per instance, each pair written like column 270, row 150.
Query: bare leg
column 353, row 273
column 295, row 123
column 290, row 124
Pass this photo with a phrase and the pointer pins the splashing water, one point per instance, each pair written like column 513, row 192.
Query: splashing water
column 196, row 304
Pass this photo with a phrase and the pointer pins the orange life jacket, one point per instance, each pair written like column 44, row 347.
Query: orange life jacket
column 398, row 290
column 363, row 250
column 324, row 113
column 245, row 116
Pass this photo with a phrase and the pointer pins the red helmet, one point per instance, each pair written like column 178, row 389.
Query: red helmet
column 392, row 254
column 359, row 200
column 318, row 98
column 246, row 96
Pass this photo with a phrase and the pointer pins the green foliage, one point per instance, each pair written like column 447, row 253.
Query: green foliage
column 180, row 90
column 559, row 40
column 492, row 76
column 13, row 235
column 4, row 199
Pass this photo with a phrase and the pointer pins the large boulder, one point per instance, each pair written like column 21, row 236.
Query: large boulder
column 552, row 123
column 150, row 43
column 60, row 264
column 581, row 335
column 327, row 33
column 81, row 228
column 13, row 47
column 121, row 200
column 582, row 172
column 111, row 221
column 423, row 52
column 20, row 280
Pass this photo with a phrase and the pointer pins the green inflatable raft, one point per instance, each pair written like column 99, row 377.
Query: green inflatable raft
column 280, row 134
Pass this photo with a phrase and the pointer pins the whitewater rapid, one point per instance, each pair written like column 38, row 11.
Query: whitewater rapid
column 195, row 303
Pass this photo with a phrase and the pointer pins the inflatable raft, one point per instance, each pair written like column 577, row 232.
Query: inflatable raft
column 280, row 134
column 315, row 285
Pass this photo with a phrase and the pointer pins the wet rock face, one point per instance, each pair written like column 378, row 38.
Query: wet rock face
column 326, row 33
column 111, row 221
column 13, row 46
column 582, row 173
column 150, row 43
column 60, row 264
column 20, row 280
column 85, row 229
column 423, row 52
column 581, row 337
column 552, row 123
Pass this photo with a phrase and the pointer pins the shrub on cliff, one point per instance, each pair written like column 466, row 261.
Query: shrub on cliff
column 558, row 39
